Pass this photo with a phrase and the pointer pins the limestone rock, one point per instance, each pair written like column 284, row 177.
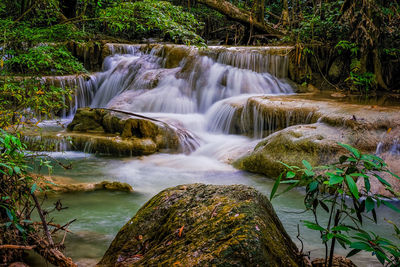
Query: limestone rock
column 338, row 261
column 67, row 185
column 118, row 133
column 203, row 225
column 297, row 136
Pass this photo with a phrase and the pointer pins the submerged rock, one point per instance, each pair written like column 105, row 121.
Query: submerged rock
column 67, row 185
column 203, row 225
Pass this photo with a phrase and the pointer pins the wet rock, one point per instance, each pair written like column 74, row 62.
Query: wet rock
column 316, row 143
column 113, row 186
column 89, row 53
column 67, row 185
column 357, row 125
column 338, row 261
column 118, row 133
column 337, row 69
column 203, row 225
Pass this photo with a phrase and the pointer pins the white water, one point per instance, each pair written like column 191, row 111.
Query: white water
column 203, row 95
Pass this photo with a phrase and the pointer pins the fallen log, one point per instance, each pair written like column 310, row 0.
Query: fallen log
column 240, row 15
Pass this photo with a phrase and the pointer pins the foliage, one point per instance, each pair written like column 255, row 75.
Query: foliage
column 142, row 17
column 313, row 26
column 363, row 82
column 23, row 100
column 19, row 202
column 332, row 189
column 44, row 59
column 344, row 45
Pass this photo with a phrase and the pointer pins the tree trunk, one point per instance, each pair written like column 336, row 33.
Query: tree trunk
column 240, row 15
column 285, row 13
column 259, row 10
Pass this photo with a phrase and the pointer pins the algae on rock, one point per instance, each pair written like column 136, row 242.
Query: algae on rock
column 204, row 225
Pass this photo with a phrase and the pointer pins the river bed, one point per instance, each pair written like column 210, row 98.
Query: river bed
column 101, row 214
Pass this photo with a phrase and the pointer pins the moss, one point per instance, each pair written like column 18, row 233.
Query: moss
column 203, row 225
column 120, row 134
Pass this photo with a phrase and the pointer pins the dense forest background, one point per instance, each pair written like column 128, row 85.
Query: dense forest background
column 361, row 39
column 349, row 45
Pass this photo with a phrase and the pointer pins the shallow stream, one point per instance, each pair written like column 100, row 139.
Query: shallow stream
column 200, row 94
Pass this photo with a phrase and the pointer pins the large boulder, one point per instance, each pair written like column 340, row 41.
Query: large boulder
column 204, row 225
column 120, row 133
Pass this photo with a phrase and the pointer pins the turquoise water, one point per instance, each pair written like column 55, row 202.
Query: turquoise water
column 101, row 214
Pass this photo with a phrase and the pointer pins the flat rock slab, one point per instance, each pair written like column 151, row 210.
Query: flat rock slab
column 315, row 137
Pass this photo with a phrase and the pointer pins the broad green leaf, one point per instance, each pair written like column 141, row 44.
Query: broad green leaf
column 20, row 228
column 390, row 205
column 340, row 228
column 353, row 150
column 309, row 173
column 361, row 245
column 383, row 181
column 307, row 164
column 353, row 252
column 313, row 226
column 367, row 184
column 352, row 186
column 275, row 187
column 335, row 179
column 290, row 175
column 369, row 204
column 10, row 214
column 33, row 188
column 313, row 185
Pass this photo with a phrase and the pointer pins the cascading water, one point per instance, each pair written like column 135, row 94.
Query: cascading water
column 204, row 82
column 209, row 93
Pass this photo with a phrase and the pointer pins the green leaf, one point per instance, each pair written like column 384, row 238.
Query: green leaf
column 383, row 181
column 353, row 252
column 289, row 181
column 290, row 175
column 20, row 228
column 10, row 214
column 361, row 245
column 367, row 184
column 369, row 204
column 309, row 173
column 335, row 179
column 307, row 164
column 352, row 186
column 340, row 228
column 390, row 205
column 353, row 150
column 313, row 226
column 33, row 188
column 275, row 187
column 381, row 257
column 313, row 185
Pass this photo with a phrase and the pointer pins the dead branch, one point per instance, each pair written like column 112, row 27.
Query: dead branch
column 17, row 247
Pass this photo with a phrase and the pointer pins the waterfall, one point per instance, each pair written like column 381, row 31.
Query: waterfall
column 248, row 115
column 193, row 87
column 214, row 84
column 135, row 78
column 83, row 87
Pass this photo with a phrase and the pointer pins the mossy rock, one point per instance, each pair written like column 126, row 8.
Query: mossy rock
column 117, row 133
column 204, row 225
column 316, row 143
